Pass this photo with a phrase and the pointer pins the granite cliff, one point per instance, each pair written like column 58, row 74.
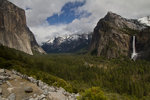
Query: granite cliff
column 14, row 32
column 112, row 37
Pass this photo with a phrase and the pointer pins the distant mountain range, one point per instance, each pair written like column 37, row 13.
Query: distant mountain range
column 68, row 44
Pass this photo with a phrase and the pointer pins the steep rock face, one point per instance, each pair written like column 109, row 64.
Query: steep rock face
column 14, row 32
column 112, row 36
column 143, row 44
column 69, row 44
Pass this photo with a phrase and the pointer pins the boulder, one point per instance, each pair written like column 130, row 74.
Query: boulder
column 31, row 79
column 41, row 97
column 12, row 96
column 56, row 96
column 2, row 71
column 28, row 89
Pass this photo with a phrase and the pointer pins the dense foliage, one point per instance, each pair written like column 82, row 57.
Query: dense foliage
column 94, row 93
column 76, row 73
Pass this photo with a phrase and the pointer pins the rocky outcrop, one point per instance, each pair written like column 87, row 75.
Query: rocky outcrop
column 14, row 32
column 113, row 34
column 16, row 86
column 69, row 44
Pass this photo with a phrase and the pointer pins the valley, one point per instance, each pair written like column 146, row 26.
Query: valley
column 119, row 78
column 109, row 62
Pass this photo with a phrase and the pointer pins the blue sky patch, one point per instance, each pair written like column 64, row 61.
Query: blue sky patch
column 68, row 13
column 27, row 8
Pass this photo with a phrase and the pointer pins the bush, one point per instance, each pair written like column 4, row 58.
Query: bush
column 94, row 93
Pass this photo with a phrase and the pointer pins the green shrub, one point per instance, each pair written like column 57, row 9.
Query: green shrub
column 94, row 93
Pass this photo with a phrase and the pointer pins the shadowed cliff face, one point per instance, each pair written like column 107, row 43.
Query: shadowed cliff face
column 143, row 44
column 14, row 32
column 113, row 34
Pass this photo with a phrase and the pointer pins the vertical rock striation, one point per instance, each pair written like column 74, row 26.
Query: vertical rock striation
column 112, row 36
column 14, row 32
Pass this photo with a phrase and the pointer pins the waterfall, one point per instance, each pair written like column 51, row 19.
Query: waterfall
column 134, row 54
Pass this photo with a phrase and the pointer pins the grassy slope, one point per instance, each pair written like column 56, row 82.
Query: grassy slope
column 119, row 78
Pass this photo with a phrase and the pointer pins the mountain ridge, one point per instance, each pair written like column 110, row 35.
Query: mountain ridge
column 67, row 44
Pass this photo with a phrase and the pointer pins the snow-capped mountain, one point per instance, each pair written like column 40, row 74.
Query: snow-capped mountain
column 72, row 37
column 66, row 44
column 145, row 20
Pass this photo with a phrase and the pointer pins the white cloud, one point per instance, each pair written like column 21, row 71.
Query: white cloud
column 127, row 8
column 41, row 9
column 46, row 32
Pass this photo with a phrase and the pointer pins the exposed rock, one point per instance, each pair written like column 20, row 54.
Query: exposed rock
column 57, row 96
column 41, row 97
column 2, row 77
column 14, row 32
column 12, row 96
column 8, row 83
column 61, row 90
column 28, row 89
column 1, row 82
column 32, row 80
column 113, row 34
column 143, row 44
column 34, row 95
column 2, row 71
column 42, row 91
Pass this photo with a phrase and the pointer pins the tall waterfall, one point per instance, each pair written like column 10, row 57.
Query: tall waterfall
column 134, row 54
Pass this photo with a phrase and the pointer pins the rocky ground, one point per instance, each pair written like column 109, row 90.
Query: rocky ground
column 15, row 86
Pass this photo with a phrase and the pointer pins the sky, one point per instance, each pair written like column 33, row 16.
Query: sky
column 48, row 19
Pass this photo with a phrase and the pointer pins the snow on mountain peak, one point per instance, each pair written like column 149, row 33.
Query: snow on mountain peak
column 145, row 20
column 64, row 38
column 50, row 41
